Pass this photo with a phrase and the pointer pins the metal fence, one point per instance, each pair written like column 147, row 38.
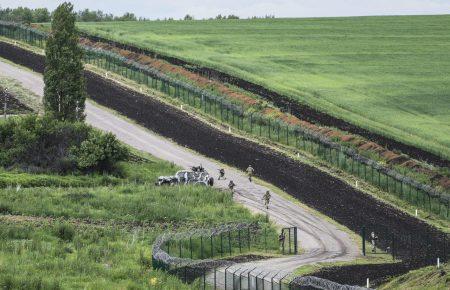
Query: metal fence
column 199, row 256
column 23, row 33
column 421, row 195
column 204, row 269
column 415, row 249
column 345, row 158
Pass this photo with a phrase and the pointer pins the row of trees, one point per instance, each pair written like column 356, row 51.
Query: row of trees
column 40, row 15
column 225, row 17
column 218, row 17
column 25, row 15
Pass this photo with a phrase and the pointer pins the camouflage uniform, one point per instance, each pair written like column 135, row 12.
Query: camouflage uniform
column 250, row 171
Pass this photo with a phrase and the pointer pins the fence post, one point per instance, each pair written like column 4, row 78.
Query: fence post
column 229, row 241
column 239, row 239
column 248, row 237
column 221, row 244
column 201, row 247
column 265, row 239
column 212, row 246
column 393, row 247
column 204, row 278
column 363, row 236
column 290, row 240
column 295, row 241
column 215, row 278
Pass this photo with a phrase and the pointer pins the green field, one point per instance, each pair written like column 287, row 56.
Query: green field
column 99, row 237
column 388, row 74
column 425, row 278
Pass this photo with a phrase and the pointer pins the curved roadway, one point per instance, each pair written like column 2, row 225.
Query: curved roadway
column 320, row 240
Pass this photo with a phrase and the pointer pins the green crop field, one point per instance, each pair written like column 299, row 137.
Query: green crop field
column 388, row 74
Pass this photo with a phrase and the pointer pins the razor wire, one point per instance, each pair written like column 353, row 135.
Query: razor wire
column 319, row 283
column 237, row 110
column 307, row 133
column 160, row 255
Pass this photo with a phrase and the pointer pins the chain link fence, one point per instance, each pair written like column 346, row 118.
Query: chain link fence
column 414, row 249
column 194, row 255
column 204, row 268
column 345, row 158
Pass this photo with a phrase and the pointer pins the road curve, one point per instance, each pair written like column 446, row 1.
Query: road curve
column 320, row 240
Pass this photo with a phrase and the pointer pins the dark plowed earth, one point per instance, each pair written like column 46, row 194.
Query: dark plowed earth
column 315, row 188
column 301, row 111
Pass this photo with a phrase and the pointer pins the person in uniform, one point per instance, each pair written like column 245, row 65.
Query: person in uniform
column 231, row 186
column 250, row 171
column 221, row 174
column 281, row 238
column 373, row 241
column 266, row 199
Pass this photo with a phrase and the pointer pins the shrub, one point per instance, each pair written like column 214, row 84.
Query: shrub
column 100, row 151
column 44, row 144
column 65, row 232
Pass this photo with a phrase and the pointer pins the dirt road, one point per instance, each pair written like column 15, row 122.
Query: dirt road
column 319, row 239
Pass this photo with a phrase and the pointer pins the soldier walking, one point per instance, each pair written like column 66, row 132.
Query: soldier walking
column 266, row 198
column 250, row 171
column 221, row 174
column 231, row 186
column 373, row 241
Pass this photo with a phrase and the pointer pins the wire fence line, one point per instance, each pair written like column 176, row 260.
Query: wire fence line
column 345, row 158
column 411, row 248
column 212, row 272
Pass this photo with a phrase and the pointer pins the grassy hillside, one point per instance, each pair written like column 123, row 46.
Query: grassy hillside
column 388, row 74
column 425, row 278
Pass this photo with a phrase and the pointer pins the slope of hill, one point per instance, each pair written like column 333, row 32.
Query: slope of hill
column 386, row 74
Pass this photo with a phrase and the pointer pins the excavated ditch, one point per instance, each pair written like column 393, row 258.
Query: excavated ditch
column 317, row 189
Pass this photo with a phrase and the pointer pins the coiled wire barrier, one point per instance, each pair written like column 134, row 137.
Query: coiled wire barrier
column 224, row 274
column 319, row 283
column 390, row 180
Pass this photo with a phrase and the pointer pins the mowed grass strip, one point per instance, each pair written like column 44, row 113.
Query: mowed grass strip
column 387, row 74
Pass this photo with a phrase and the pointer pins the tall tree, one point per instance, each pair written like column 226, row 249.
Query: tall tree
column 64, row 93
column 41, row 15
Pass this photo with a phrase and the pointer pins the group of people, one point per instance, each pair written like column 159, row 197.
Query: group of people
column 266, row 198
column 231, row 185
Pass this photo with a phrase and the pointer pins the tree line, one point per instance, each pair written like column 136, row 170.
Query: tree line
column 224, row 17
column 41, row 15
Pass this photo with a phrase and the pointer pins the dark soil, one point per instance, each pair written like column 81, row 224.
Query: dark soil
column 356, row 274
column 313, row 187
column 22, row 57
column 301, row 111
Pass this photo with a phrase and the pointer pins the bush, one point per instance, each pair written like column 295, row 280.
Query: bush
column 100, row 151
column 45, row 144
column 65, row 232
